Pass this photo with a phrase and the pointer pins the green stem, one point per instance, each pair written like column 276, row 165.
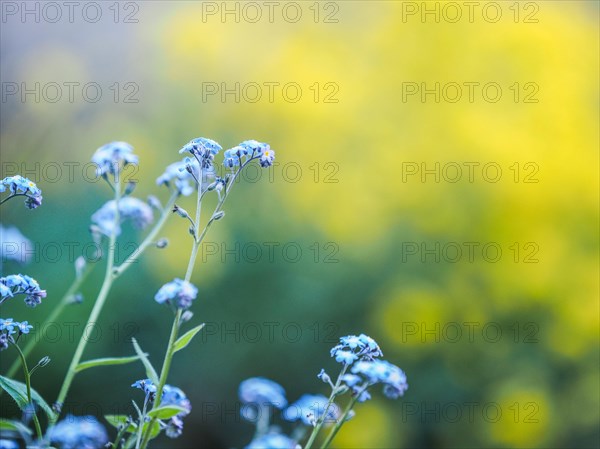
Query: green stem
column 150, row 238
column 111, row 275
column 321, row 419
column 38, row 428
column 56, row 311
column 342, row 420
column 98, row 305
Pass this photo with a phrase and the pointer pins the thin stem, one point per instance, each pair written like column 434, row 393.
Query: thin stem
column 142, row 421
column 342, row 420
column 12, row 196
column 164, row 372
column 111, row 275
column 56, row 311
column 321, row 419
column 150, row 238
column 106, row 285
column 38, row 428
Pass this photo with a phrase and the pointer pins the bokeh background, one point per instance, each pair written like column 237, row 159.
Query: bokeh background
column 522, row 371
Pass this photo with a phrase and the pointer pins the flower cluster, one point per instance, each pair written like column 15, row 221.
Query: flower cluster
column 263, row 392
column 310, row 408
column 9, row 327
column 132, row 209
column 178, row 292
column 171, row 396
column 16, row 284
column 203, row 149
column 110, row 158
column 14, row 245
column 352, row 348
column 18, row 185
column 78, row 432
column 250, row 149
column 362, row 353
column 182, row 175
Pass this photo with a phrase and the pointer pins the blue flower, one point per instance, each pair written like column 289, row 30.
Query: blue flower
column 174, row 428
column 8, row 444
column 83, row 432
column 146, row 385
column 15, row 284
column 174, row 396
column 23, row 186
column 324, row 377
column 382, row 372
column 133, row 209
column 3, row 341
column 254, row 148
column 24, row 327
column 310, row 408
column 267, row 157
column 272, row 441
column 179, row 174
column 353, row 347
column 177, row 292
column 231, row 158
column 14, row 245
column 8, row 325
column 202, row 149
column 111, row 157
column 262, row 391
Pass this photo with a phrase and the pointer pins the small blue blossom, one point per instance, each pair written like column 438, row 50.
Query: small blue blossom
column 8, row 444
column 174, row 396
column 382, row 372
column 110, row 157
column 18, row 185
column 174, row 428
column 24, row 327
column 83, row 432
column 272, row 441
column 132, row 209
column 351, row 379
column 345, row 357
column 177, row 292
column 267, row 157
column 231, row 158
column 179, row 175
column 324, row 377
column 310, row 408
column 146, row 385
column 15, row 284
column 14, row 245
column 203, row 149
column 8, row 325
column 262, row 391
column 3, row 341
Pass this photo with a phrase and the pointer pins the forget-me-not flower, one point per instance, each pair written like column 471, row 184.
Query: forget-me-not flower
column 130, row 209
column 178, row 292
column 310, row 408
column 110, row 158
column 83, row 432
column 15, row 284
column 19, row 185
column 262, row 391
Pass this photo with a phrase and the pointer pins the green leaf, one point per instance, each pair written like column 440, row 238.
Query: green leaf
column 120, row 420
column 18, row 391
column 106, row 361
column 150, row 371
column 154, row 431
column 17, row 426
column 185, row 339
column 166, row 412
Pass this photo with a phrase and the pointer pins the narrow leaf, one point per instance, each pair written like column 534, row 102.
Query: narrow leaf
column 154, row 430
column 106, row 361
column 120, row 420
column 166, row 412
column 18, row 391
column 6, row 424
column 185, row 339
column 150, row 371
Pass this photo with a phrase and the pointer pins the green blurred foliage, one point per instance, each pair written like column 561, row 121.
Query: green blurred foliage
column 542, row 372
